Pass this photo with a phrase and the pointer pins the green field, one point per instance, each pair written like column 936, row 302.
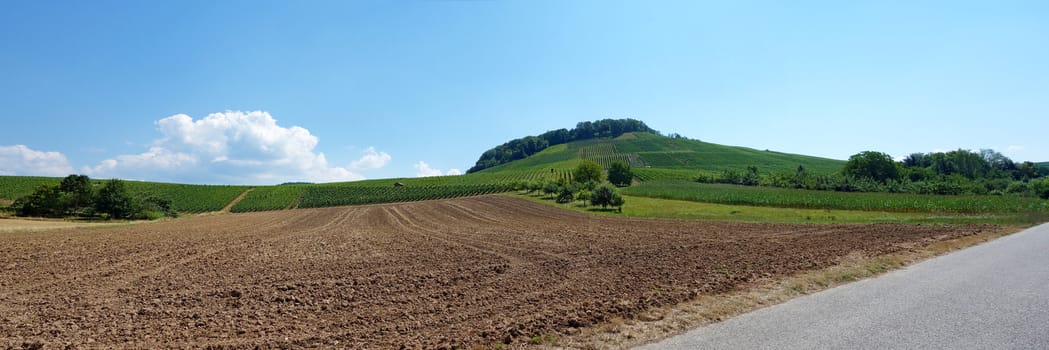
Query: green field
column 790, row 198
column 645, row 207
column 265, row 198
column 205, row 198
column 666, row 168
column 184, row 198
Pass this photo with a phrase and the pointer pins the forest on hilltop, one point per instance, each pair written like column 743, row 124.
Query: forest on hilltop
column 526, row 146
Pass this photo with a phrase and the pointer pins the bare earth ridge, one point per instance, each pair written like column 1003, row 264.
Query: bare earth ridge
column 440, row 274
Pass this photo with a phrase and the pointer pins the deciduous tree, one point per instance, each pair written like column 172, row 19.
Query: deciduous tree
column 872, row 165
column 588, row 170
column 620, row 174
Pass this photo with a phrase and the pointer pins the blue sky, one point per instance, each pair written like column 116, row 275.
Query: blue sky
column 261, row 92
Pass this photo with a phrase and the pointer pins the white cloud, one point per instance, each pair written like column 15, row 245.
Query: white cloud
column 1014, row 148
column 228, row 147
column 371, row 159
column 22, row 160
column 424, row 170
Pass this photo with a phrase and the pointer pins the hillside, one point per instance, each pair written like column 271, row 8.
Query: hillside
column 1043, row 165
column 661, row 155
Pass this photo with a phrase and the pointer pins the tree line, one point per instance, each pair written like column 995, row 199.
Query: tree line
column 77, row 196
column 586, row 186
column 986, row 172
column 523, row 147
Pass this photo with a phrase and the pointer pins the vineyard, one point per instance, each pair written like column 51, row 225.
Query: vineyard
column 270, row 198
column 654, row 174
column 385, row 191
column 329, row 196
column 184, row 198
column 791, row 198
column 605, row 153
column 207, row 198
column 188, row 198
column 13, row 187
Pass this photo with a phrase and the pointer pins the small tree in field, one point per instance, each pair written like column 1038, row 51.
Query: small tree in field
column 565, row 195
column 550, row 188
column 583, row 195
column 602, row 196
column 620, row 174
column 588, row 170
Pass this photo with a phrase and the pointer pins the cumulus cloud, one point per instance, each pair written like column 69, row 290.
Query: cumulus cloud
column 22, row 160
column 424, row 170
column 229, row 147
column 372, row 159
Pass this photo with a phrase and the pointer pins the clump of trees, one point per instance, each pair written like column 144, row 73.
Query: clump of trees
column 946, row 173
column 76, row 196
column 586, row 187
column 527, row 146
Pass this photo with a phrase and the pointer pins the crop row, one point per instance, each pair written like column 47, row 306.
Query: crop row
column 188, row 198
column 605, row 153
column 14, row 187
column 791, row 198
column 270, row 198
column 327, row 196
column 656, row 174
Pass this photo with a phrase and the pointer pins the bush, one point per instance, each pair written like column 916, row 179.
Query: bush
column 602, row 196
column 565, row 195
column 47, row 201
column 1041, row 187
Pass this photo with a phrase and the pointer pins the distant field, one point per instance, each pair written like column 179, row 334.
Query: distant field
column 646, row 207
column 790, row 198
column 184, row 198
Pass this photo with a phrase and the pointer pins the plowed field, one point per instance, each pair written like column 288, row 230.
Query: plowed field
column 453, row 273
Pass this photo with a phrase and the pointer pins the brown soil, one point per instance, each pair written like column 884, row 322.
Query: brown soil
column 442, row 274
column 11, row 224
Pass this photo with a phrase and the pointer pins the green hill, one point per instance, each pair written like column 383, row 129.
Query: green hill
column 659, row 157
column 1043, row 165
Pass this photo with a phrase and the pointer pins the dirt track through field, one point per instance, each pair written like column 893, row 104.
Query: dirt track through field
column 454, row 273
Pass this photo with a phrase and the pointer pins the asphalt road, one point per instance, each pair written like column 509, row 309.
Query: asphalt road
column 992, row 296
